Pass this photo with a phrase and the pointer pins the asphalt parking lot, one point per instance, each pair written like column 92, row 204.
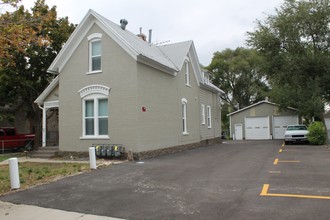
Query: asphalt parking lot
column 233, row 180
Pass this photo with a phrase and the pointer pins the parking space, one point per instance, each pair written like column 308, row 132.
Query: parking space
column 233, row 180
column 304, row 169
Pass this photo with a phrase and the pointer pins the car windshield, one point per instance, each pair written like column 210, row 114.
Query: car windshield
column 297, row 127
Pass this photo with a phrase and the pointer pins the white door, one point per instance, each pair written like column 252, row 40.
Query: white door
column 280, row 123
column 257, row 128
column 238, row 132
column 327, row 124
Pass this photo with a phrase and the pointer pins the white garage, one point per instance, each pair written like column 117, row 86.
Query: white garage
column 261, row 121
column 280, row 124
column 257, row 128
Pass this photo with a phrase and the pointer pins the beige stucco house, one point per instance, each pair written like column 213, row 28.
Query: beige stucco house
column 114, row 87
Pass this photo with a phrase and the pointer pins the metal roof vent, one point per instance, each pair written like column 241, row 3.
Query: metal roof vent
column 123, row 23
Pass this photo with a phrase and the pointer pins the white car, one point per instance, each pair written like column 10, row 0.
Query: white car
column 295, row 133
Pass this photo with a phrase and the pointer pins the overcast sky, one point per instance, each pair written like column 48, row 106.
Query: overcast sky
column 213, row 25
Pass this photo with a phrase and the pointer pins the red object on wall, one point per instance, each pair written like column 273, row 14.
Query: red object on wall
column 144, row 109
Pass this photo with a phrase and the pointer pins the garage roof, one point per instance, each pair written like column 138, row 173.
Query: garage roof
column 258, row 103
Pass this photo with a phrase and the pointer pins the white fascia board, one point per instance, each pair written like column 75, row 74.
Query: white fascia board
column 47, row 91
column 149, row 62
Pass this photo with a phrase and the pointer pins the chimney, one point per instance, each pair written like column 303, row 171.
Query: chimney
column 141, row 35
column 123, row 23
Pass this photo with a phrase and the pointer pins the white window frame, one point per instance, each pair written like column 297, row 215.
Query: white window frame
column 91, row 39
column 187, row 73
column 95, row 98
column 184, row 103
column 209, row 116
column 95, row 93
column 203, row 114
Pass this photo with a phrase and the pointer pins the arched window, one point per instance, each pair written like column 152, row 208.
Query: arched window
column 187, row 73
column 95, row 53
column 184, row 116
column 95, row 111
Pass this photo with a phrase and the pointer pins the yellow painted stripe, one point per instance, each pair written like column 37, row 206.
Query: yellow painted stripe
column 275, row 161
column 280, row 151
column 283, row 144
column 264, row 192
column 289, row 161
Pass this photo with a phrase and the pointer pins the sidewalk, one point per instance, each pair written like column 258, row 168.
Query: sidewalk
column 38, row 160
column 9, row 211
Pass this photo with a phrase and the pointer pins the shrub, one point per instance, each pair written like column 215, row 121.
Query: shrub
column 316, row 133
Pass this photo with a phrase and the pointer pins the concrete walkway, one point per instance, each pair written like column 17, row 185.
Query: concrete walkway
column 39, row 160
column 9, row 211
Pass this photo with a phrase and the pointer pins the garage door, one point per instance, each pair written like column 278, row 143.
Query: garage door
column 280, row 123
column 257, row 128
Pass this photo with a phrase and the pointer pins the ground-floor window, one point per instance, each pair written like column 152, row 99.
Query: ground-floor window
column 209, row 117
column 184, row 116
column 95, row 111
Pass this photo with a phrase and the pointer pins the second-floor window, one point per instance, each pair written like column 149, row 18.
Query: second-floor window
column 95, row 55
column 187, row 74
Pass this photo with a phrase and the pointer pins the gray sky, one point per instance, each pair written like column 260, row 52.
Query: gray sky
column 213, row 25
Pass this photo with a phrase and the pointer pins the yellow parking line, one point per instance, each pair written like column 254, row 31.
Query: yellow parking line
column 264, row 192
column 276, row 161
column 280, row 151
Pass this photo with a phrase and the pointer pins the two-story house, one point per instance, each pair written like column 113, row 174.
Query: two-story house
column 114, row 87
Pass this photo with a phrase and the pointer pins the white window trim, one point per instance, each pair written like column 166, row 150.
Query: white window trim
column 187, row 73
column 184, row 116
column 203, row 114
column 209, row 117
column 93, row 38
column 93, row 92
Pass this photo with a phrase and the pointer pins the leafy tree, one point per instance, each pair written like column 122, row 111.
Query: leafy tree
column 30, row 43
column 294, row 46
column 236, row 72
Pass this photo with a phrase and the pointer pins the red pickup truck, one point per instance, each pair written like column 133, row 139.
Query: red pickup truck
column 10, row 139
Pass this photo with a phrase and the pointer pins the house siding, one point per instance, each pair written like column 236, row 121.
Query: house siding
column 119, row 74
column 161, row 125
column 145, row 98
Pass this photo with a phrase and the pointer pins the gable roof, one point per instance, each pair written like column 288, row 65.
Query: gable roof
column 167, row 58
column 259, row 103
column 47, row 91
column 140, row 50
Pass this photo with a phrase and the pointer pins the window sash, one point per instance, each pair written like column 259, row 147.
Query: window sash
column 184, row 118
column 95, row 117
column 203, row 114
column 187, row 73
column 209, row 119
column 95, row 55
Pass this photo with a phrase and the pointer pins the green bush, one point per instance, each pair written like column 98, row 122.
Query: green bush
column 316, row 133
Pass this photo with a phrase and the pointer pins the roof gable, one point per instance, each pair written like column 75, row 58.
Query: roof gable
column 140, row 50
column 256, row 104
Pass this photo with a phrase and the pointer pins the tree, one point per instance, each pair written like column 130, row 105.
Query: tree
column 30, row 43
column 294, row 46
column 236, row 72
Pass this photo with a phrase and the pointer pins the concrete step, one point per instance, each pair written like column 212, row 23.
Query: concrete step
column 45, row 152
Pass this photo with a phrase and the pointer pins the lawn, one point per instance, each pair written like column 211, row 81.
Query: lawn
column 7, row 156
column 32, row 174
